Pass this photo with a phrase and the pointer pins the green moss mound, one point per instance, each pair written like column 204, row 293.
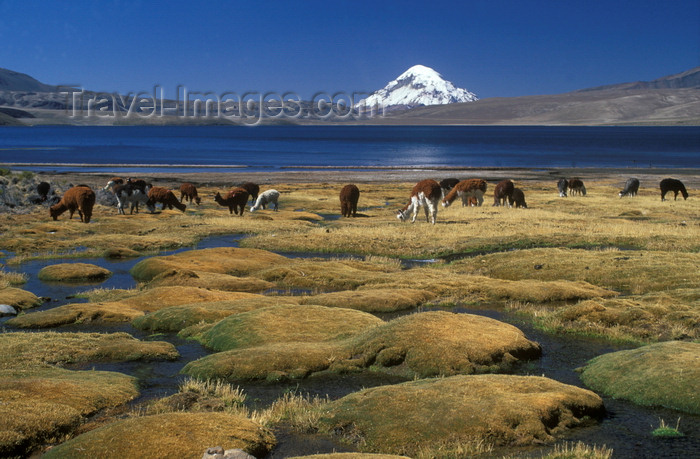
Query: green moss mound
column 666, row 374
column 18, row 298
column 372, row 300
column 169, row 435
column 74, row 272
column 349, row 456
column 286, row 323
column 223, row 260
column 40, row 403
column 176, row 318
column 497, row 409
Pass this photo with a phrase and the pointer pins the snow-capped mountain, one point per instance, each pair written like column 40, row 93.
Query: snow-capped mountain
column 419, row 85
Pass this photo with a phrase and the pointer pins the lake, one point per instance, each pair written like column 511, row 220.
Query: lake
column 266, row 148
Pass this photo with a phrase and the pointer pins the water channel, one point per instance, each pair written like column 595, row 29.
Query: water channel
column 626, row 428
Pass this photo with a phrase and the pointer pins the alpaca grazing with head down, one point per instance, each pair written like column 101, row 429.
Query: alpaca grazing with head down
column 675, row 185
column 426, row 194
column 80, row 198
column 470, row 190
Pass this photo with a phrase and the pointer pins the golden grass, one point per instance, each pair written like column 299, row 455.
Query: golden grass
column 418, row 345
column 570, row 450
column 628, row 271
column 9, row 278
column 125, row 306
column 656, row 316
column 644, row 375
column 496, row 409
column 21, row 350
column 19, row 298
column 44, row 403
column 372, row 299
column 168, row 435
column 286, row 324
column 73, row 272
column 176, row 318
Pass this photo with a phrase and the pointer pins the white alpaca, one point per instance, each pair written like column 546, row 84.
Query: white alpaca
column 426, row 194
column 266, row 198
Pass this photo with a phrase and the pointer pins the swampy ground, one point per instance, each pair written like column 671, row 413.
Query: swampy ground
column 616, row 273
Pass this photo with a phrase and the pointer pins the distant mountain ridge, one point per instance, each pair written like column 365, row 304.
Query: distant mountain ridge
column 690, row 79
column 16, row 81
column 416, row 87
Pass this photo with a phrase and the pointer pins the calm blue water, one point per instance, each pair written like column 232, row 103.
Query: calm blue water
column 264, row 148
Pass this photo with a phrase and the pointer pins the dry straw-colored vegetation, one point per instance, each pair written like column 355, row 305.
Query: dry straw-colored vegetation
column 626, row 269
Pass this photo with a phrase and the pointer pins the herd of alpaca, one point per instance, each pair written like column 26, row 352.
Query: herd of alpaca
column 427, row 194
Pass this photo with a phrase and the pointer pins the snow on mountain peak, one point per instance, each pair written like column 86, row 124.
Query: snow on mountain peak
column 419, row 85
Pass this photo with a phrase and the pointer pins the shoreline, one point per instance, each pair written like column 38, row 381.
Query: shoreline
column 690, row 176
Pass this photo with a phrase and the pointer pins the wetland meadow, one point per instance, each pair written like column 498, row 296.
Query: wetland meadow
column 570, row 328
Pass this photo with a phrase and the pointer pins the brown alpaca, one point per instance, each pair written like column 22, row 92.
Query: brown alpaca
column 253, row 190
column 426, row 194
column 502, row 193
column 466, row 189
column 164, row 196
column 80, row 198
column 576, row 186
column 349, row 196
column 189, row 191
column 235, row 200
column 517, row 199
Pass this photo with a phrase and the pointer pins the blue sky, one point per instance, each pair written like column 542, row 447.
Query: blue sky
column 494, row 48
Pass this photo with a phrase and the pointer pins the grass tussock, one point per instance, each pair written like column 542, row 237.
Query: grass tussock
column 176, row 318
column 512, row 410
column 286, row 323
column 629, row 271
column 41, row 404
column 372, row 299
column 653, row 317
column 169, row 435
column 570, row 450
column 667, row 431
column 19, row 298
column 10, row 279
column 125, row 306
column 22, row 350
column 418, row 345
column 73, row 272
column 642, row 375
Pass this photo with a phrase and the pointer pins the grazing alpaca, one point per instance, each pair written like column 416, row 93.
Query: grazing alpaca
column 502, row 193
column 631, row 187
column 349, row 196
column 158, row 194
column 426, row 193
column 447, row 184
column 43, row 189
column 189, row 191
column 80, row 198
column 466, row 189
column 669, row 184
column 130, row 194
column 576, row 186
column 267, row 197
column 253, row 189
column 562, row 186
column 517, row 198
column 112, row 182
column 235, row 200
